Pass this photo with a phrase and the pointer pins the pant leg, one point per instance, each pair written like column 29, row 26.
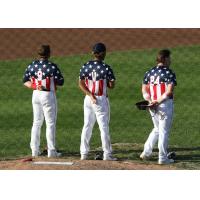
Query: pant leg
column 56, row 112
column 38, row 119
column 165, row 122
column 153, row 136
column 108, row 103
column 102, row 113
column 89, row 121
column 48, row 101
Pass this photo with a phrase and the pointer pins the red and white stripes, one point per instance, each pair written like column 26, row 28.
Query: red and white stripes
column 97, row 88
column 47, row 83
column 156, row 91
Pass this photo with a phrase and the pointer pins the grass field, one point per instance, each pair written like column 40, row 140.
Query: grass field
column 129, row 127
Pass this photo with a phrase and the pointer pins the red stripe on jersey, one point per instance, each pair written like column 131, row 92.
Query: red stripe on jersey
column 155, row 92
column 39, row 83
column 100, row 93
column 33, row 83
column 48, row 83
column 162, row 88
column 93, row 88
column 86, row 83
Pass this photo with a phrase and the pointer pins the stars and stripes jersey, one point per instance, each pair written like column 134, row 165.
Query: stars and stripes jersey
column 43, row 73
column 158, row 78
column 96, row 75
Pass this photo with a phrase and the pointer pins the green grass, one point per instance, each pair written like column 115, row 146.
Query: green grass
column 128, row 125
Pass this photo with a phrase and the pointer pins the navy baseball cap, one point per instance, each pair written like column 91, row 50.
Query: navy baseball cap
column 99, row 47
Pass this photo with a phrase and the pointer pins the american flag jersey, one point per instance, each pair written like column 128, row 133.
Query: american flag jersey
column 158, row 78
column 43, row 73
column 96, row 75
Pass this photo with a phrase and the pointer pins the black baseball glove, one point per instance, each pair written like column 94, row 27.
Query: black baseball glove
column 142, row 105
column 171, row 155
column 99, row 156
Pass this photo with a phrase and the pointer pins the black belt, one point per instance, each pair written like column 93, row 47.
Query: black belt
column 45, row 90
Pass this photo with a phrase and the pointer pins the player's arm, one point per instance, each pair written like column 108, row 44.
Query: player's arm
column 59, row 79
column 28, row 84
column 111, row 79
column 111, row 84
column 170, row 87
column 83, row 87
column 26, row 80
column 145, row 92
column 167, row 94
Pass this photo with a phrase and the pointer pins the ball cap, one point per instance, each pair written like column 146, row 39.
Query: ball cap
column 99, row 47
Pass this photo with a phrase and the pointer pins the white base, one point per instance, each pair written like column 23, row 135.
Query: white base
column 52, row 163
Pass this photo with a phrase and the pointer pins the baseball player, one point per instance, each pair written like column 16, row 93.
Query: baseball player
column 157, row 88
column 95, row 77
column 43, row 76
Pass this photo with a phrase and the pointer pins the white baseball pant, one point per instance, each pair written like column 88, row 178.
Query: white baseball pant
column 162, row 121
column 92, row 112
column 44, row 107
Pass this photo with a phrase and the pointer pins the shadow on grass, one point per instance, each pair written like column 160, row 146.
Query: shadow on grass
column 185, row 154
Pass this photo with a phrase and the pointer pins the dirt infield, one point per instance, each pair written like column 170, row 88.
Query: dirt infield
column 80, row 165
column 22, row 43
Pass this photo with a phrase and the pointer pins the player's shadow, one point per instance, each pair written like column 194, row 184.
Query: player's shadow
column 64, row 153
column 187, row 153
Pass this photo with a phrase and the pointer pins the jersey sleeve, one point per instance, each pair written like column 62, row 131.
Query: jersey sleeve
column 146, row 79
column 82, row 73
column 111, row 76
column 172, row 78
column 59, row 79
column 26, row 76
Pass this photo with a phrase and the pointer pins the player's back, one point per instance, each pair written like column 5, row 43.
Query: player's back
column 43, row 73
column 158, row 78
column 96, row 74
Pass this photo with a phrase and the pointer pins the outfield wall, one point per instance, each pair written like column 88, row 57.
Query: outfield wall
column 22, row 43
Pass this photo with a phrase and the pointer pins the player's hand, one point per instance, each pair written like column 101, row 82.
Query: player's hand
column 153, row 104
column 93, row 98
column 40, row 87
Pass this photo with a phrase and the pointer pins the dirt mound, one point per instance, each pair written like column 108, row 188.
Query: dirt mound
column 79, row 165
column 22, row 43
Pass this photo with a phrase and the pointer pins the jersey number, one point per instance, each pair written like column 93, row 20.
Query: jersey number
column 39, row 74
column 155, row 81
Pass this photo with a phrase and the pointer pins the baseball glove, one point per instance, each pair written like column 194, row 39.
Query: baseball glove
column 98, row 156
column 171, row 155
column 142, row 105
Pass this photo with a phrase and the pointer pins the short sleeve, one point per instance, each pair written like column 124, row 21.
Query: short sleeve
column 172, row 78
column 58, row 76
column 111, row 76
column 26, row 76
column 146, row 79
column 82, row 73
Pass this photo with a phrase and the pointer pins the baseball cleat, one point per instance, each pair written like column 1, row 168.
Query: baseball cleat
column 144, row 157
column 54, row 154
column 110, row 158
column 36, row 153
column 165, row 162
column 84, row 157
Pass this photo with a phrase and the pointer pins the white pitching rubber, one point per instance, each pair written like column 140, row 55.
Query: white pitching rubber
column 52, row 163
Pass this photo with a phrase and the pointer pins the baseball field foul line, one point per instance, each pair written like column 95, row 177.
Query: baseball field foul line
column 52, row 163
